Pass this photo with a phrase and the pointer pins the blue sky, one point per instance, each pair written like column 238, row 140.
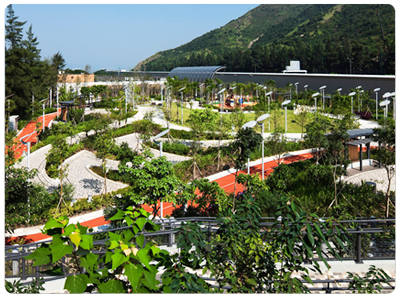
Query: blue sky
column 118, row 36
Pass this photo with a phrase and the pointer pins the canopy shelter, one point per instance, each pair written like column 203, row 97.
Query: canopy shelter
column 199, row 74
column 65, row 108
column 357, row 138
column 355, row 146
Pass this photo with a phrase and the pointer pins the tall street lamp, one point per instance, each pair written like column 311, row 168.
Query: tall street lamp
column 339, row 90
column 351, row 95
column 221, row 100
column 181, row 91
column 376, row 101
column 384, row 106
column 43, row 111
column 269, row 108
column 393, row 95
column 161, row 134
column 350, row 59
column 296, row 84
column 315, row 99
column 358, row 96
column 50, row 96
column 284, row 104
column 249, row 124
column 58, row 92
column 260, row 120
column 323, row 95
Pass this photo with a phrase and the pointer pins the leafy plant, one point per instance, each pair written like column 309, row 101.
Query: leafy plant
column 124, row 267
column 16, row 287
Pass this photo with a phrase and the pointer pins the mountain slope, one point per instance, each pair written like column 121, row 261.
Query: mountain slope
column 287, row 27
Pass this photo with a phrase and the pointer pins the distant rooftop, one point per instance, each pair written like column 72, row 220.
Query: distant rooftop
column 198, row 74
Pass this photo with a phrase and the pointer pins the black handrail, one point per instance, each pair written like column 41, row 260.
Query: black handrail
column 211, row 224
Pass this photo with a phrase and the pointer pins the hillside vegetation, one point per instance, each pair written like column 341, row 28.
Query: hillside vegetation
column 322, row 37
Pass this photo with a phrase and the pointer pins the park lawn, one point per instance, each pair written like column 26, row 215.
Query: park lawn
column 292, row 126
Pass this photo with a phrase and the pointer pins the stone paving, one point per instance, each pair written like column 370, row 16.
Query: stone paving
column 372, row 174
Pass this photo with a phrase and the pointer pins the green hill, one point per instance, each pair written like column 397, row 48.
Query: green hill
column 321, row 36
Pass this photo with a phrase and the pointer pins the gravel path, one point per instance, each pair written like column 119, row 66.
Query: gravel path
column 379, row 176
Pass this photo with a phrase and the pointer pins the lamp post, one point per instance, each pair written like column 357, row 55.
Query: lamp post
column 393, row 95
column 339, row 90
column 385, row 104
column 181, row 90
column 385, row 97
column 315, row 99
column 260, row 120
column 285, row 103
column 296, row 84
column 220, row 93
column 50, row 96
column 323, row 95
column 43, row 111
column 234, row 95
column 351, row 95
column 249, row 124
column 160, row 143
column 161, row 134
column 358, row 96
column 269, row 108
column 350, row 58
column 305, row 87
column 58, row 92
column 376, row 101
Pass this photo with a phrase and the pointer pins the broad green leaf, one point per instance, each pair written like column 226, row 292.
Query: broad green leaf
column 52, row 223
column 141, row 222
column 150, row 277
column 155, row 250
column 87, row 242
column 59, row 249
column 144, row 257
column 76, row 283
column 118, row 216
column 112, row 286
column 118, row 259
column 75, row 238
column 134, row 273
column 41, row 256
column 113, row 244
column 140, row 240
column 129, row 221
column 70, row 229
column 89, row 262
column 128, row 236
column 82, row 229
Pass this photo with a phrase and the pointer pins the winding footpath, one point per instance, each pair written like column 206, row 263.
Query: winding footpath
column 86, row 182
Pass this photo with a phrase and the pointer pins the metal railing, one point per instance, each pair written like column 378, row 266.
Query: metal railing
column 370, row 239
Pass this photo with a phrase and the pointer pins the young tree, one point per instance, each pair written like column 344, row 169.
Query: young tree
column 152, row 181
column 55, row 163
column 385, row 135
column 104, row 144
column 200, row 121
column 246, row 141
column 277, row 143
